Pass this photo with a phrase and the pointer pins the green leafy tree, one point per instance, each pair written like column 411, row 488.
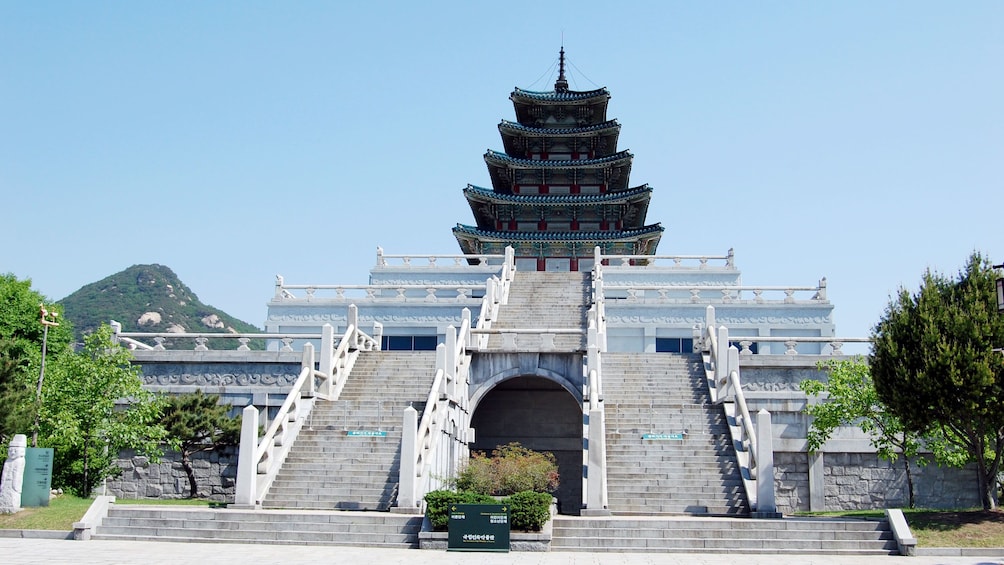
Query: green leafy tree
column 196, row 423
column 21, row 334
column 93, row 406
column 851, row 400
column 934, row 366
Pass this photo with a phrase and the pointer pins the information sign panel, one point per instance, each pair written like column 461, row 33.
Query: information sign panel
column 479, row 527
column 37, row 477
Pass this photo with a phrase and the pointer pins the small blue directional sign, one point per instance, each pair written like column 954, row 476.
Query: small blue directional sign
column 366, row 433
column 658, row 437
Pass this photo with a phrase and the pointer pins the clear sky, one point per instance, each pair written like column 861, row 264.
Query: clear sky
column 859, row 141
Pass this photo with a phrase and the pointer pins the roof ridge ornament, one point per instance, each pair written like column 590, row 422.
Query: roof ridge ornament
column 561, row 85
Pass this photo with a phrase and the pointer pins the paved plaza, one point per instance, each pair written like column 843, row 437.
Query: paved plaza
column 14, row 551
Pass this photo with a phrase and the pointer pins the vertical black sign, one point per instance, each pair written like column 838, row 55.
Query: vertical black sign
column 479, row 527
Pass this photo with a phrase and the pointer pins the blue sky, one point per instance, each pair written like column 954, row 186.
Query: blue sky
column 231, row 141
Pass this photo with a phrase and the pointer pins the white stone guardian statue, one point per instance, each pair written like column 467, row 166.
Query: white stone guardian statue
column 13, row 476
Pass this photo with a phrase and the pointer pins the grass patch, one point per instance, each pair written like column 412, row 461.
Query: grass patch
column 942, row 528
column 60, row 515
column 66, row 509
column 967, row 528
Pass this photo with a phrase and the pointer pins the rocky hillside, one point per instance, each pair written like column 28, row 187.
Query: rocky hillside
column 146, row 298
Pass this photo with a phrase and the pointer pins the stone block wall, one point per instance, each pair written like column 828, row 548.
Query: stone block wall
column 215, row 473
column 862, row 481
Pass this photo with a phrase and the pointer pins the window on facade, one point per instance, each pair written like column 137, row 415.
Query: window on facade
column 674, row 345
column 409, row 343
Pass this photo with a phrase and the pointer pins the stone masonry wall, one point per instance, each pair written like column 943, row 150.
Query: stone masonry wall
column 215, row 474
column 860, row 481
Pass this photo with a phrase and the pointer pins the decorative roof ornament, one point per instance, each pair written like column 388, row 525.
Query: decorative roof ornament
column 561, row 85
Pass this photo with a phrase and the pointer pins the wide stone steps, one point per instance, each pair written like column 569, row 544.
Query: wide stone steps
column 723, row 535
column 329, row 467
column 128, row 522
column 664, row 394
column 543, row 300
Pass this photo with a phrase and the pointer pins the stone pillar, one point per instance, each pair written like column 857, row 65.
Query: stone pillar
column 596, row 479
column 13, row 476
column 327, row 363
column 407, row 499
column 817, row 484
column 308, row 363
column 246, row 494
column 766, row 504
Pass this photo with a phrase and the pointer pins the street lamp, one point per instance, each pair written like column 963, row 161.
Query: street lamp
column 48, row 319
column 1000, row 289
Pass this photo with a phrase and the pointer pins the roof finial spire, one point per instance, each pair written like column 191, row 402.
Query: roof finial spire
column 561, row 85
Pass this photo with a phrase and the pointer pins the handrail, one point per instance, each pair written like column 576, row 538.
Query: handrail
column 449, row 388
column 458, row 260
column 378, row 292
column 729, row 293
column 651, row 260
column 325, row 382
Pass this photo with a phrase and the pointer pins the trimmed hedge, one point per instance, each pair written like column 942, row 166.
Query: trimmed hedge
column 528, row 510
column 438, row 504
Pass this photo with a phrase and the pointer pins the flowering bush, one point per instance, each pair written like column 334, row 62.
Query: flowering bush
column 511, row 468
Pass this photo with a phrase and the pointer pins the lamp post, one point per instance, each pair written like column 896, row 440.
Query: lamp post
column 1000, row 289
column 48, row 319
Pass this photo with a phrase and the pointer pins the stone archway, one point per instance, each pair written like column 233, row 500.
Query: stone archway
column 541, row 415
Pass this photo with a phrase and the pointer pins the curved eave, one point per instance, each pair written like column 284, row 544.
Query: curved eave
column 629, row 196
column 553, row 97
column 517, row 129
column 645, row 233
column 499, row 159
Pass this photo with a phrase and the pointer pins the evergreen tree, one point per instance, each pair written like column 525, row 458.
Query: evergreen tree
column 195, row 423
column 935, row 368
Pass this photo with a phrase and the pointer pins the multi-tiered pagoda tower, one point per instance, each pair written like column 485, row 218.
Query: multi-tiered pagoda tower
column 561, row 187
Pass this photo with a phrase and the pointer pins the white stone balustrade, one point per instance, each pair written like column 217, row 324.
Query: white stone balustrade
column 669, row 261
column 137, row 340
column 662, row 294
column 259, row 460
column 363, row 293
column 434, row 261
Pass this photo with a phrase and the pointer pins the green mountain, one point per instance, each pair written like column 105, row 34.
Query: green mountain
column 147, row 298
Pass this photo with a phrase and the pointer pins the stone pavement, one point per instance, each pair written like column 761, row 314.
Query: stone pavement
column 18, row 551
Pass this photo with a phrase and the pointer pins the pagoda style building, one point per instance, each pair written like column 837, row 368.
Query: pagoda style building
column 561, row 187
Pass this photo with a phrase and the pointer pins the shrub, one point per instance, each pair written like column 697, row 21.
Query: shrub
column 511, row 468
column 438, row 502
column 528, row 510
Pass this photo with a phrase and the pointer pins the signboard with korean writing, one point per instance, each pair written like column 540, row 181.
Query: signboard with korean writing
column 37, row 477
column 479, row 527
column 664, row 437
column 366, row 433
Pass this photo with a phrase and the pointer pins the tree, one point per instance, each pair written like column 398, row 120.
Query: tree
column 93, row 406
column 20, row 348
column 197, row 422
column 935, row 369
column 852, row 401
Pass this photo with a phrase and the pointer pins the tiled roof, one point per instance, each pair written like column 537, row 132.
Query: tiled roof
column 608, row 197
column 569, row 95
column 610, row 124
column 559, row 235
column 501, row 157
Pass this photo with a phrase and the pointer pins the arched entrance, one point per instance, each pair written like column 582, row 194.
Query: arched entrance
column 541, row 415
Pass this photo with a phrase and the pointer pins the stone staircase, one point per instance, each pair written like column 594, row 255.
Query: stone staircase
column 347, row 456
column 688, row 465
column 723, row 535
column 546, row 300
column 190, row 524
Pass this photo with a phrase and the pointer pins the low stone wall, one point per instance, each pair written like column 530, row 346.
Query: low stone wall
column 215, row 473
column 861, row 481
